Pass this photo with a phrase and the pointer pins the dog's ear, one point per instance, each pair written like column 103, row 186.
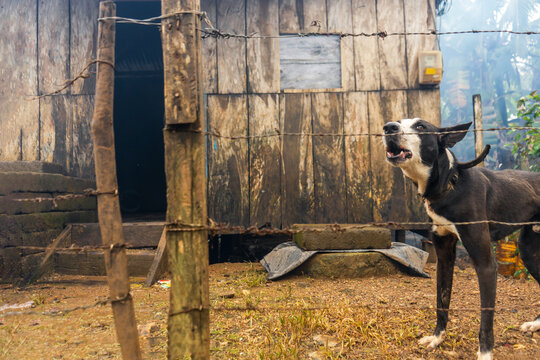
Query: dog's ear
column 449, row 140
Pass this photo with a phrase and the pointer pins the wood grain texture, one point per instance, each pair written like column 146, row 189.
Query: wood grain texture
column 328, row 158
column 19, row 129
column 83, row 160
column 231, row 53
column 419, row 17
column 228, row 177
column 388, row 189
column 291, row 16
column 315, row 19
column 366, row 49
column 263, row 54
column 392, row 57
column 84, row 24
column 53, row 40
column 55, row 118
column 340, row 20
column 264, row 161
column 209, row 49
column 18, row 40
column 298, row 201
column 357, row 159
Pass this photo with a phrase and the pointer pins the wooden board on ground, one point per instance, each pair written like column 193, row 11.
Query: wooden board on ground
column 328, row 158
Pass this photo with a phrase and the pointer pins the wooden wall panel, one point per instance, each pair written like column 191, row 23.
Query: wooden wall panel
column 53, row 40
column 19, row 132
column 84, row 15
column 55, row 130
column 264, row 161
column 18, row 70
column 263, row 54
column 392, row 57
column 209, row 49
column 388, row 188
column 231, row 53
column 228, row 177
column 419, row 16
column 340, row 20
column 315, row 19
column 366, row 49
column 297, row 155
column 82, row 145
column 357, row 159
column 328, row 158
column 291, row 16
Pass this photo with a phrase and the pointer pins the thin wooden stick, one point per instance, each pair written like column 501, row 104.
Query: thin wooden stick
column 159, row 264
column 110, row 220
column 189, row 315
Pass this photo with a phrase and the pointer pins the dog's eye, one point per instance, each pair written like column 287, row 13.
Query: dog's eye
column 420, row 127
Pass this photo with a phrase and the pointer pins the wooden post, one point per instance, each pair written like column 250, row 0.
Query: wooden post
column 478, row 136
column 188, row 325
column 110, row 220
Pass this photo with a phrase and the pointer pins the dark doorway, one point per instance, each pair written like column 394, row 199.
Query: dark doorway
column 138, row 113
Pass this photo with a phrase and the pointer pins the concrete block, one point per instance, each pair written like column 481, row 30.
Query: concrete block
column 93, row 263
column 11, row 182
column 11, row 204
column 347, row 265
column 31, row 166
column 327, row 237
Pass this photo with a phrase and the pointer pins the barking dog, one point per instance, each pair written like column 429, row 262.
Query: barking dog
column 455, row 192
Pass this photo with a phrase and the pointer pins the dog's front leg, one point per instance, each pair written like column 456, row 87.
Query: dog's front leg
column 445, row 246
column 476, row 240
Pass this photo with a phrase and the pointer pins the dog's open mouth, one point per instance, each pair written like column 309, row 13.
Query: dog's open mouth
column 397, row 153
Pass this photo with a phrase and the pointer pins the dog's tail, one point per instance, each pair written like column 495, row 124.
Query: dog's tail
column 478, row 160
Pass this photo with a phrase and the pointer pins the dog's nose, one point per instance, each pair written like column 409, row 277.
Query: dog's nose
column 391, row 128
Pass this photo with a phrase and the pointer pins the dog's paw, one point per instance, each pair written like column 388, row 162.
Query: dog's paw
column 531, row 326
column 485, row 356
column 431, row 342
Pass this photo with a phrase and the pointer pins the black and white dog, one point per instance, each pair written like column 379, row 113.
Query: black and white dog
column 455, row 192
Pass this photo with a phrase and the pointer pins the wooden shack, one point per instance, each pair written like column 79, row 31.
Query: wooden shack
column 269, row 82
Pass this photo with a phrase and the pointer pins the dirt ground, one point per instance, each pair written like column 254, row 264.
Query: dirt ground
column 369, row 318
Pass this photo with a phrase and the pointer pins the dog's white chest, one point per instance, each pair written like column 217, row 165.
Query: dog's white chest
column 441, row 225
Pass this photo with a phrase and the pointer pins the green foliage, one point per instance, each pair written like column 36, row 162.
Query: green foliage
column 526, row 147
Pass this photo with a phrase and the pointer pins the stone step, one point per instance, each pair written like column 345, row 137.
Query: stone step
column 341, row 237
column 136, row 234
column 347, row 265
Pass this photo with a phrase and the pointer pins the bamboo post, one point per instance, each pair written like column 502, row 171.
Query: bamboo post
column 188, row 324
column 110, row 220
column 478, row 136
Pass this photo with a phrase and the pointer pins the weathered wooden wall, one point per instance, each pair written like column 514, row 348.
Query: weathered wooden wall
column 43, row 43
column 303, row 179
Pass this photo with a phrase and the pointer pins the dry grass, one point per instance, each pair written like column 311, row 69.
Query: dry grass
column 370, row 318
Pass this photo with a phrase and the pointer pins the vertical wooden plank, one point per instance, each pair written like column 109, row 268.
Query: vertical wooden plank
column 340, row 20
column 83, row 161
column 209, row 50
column 84, row 24
column 53, row 40
column 231, row 53
column 392, row 57
column 424, row 104
column 357, row 159
column 263, row 54
column 478, row 136
column 18, row 40
column 291, row 16
column 228, row 180
column 419, row 17
column 388, row 189
column 328, row 158
column 19, row 129
column 366, row 49
column 55, row 117
column 315, row 19
column 264, row 161
column 297, row 155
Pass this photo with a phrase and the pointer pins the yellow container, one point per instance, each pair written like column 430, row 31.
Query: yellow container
column 508, row 259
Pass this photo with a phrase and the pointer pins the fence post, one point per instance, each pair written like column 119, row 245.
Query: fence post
column 478, row 136
column 188, row 324
column 110, row 220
